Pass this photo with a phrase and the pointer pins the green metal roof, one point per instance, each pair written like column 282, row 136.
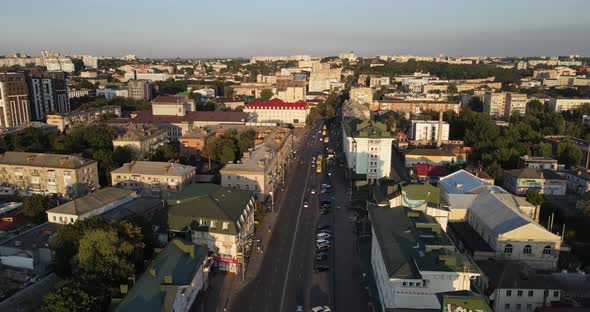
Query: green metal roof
column 365, row 128
column 180, row 260
column 427, row 192
column 411, row 241
column 466, row 300
column 208, row 202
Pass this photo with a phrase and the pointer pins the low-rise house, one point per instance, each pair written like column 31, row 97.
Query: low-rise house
column 218, row 217
column 88, row 116
column 153, row 178
column 413, row 260
column 425, row 172
column 192, row 143
column 64, row 175
column 231, row 103
column 143, row 140
column 429, row 156
column 30, row 250
column 545, row 181
column 577, row 180
column 171, row 282
column 527, row 161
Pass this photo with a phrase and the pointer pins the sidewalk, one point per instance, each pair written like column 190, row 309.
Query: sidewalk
column 225, row 286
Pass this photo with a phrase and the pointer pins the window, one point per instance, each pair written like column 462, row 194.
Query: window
column 556, row 293
column 508, row 293
column 229, row 177
column 527, row 250
column 547, row 250
column 507, row 306
column 213, row 223
column 508, row 249
column 405, row 284
column 529, row 306
column 225, row 225
column 54, row 218
column 519, row 293
column 518, row 306
column 531, row 292
column 411, row 284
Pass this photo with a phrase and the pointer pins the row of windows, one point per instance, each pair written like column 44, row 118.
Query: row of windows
column 213, row 224
column 527, row 249
column 531, row 293
column 247, row 186
column 414, row 284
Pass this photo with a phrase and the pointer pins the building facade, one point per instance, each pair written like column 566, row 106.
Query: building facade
column 278, row 111
column 14, row 100
column 64, row 175
column 48, row 93
column 153, row 178
column 143, row 140
column 427, row 131
column 545, row 181
column 290, row 90
column 139, row 90
column 559, row 105
column 63, row 121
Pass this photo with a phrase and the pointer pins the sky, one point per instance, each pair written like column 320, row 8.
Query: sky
column 244, row 28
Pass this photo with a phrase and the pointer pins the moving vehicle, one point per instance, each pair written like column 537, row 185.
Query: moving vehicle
column 321, row 309
column 305, row 204
column 321, row 268
column 323, row 236
column 324, row 211
column 319, row 163
column 299, row 308
column 312, row 190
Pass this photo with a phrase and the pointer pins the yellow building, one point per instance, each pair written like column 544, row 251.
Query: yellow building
column 142, row 139
column 64, row 175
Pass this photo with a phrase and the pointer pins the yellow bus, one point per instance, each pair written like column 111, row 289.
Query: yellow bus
column 318, row 164
column 324, row 130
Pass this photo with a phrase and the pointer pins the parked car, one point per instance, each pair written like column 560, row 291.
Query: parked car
column 321, row 268
column 322, row 243
column 299, row 308
column 305, row 204
column 321, row 309
column 323, row 236
column 323, row 226
column 321, row 256
column 322, row 248
column 325, row 231
column 324, row 211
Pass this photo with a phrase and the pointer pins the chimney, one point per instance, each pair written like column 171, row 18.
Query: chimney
column 440, row 123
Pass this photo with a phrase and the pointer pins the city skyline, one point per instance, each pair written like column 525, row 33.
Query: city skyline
column 317, row 28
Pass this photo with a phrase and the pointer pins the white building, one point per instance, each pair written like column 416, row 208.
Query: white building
column 376, row 81
column 60, row 64
column 146, row 76
column 90, row 61
column 413, row 260
column 427, row 131
column 367, row 146
column 205, row 92
column 110, row 94
column 167, row 105
column 322, row 80
column 559, row 105
column 276, row 110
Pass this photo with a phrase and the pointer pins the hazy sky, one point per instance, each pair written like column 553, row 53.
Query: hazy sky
column 231, row 28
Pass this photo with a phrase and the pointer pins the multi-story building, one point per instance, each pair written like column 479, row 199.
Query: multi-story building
column 578, row 180
column 139, row 90
column 172, row 106
column 60, row 64
column 63, row 121
column 153, row 178
column 527, row 161
column 490, row 223
column 367, row 146
column 559, row 105
column 14, row 100
column 218, row 217
column 73, row 93
column 546, row 181
column 48, row 93
column 90, row 61
column 172, row 281
column 361, row 95
column 377, row 81
column 142, row 139
column 430, row 156
column 278, row 111
column 271, row 79
column 64, row 175
column 261, row 168
column 515, row 102
column 502, row 105
column 192, row 143
column 414, row 261
column 111, row 93
column 427, row 131
column 146, row 76
column 322, row 80
column 290, row 90
column 416, row 107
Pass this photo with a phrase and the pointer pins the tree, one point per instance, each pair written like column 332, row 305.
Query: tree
column 106, row 164
column 68, row 296
column 452, row 89
column 246, row 140
column 266, row 94
column 568, row 153
column 124, row 154
column 35, row 207
column 165, row 152
column 537, row 199
column 475, row 104
column 227, row 154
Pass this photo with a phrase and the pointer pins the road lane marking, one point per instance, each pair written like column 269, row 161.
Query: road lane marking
column 294, row 239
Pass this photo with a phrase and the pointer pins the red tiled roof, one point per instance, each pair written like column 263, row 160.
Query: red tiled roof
column 430, row 170
column 147, row 117
column 276, row 104
column 17, row 217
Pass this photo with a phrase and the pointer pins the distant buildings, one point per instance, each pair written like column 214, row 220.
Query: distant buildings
column 90, row 61
column 146, row 76
column 64, row 175
column 559, row 105
column 63, row 121
column 14, row 100
column 192, row 143
column 427, row 131
column 143, row 140
column 324, row 79
column 430, row 156
column 527, row 161
column 416, row 107
column 172, row 106
column 378, row 81
column 263, row 167
column 290, row 90
column 502, row 105
column 218, row 217
column 278, row 111
column 172, row 281
column 361, row 95
column 413, row 260
column 152, row 178
column 255, row 59
column 139, row 90
column 367, row 146
column 48, row 93
column 111, row 93
column 60, row 64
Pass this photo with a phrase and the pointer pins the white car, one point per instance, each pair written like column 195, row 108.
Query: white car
column 312, row 191
column 323, row 235
column 305, row 204
column 322, row 243
column 321, row 309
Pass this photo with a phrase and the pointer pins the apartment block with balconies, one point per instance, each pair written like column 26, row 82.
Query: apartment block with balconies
column 153, row 178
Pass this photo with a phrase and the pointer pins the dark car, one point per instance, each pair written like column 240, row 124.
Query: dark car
column 323, row 226
column 324, row 211
column 325, row 231
column 321, row 256
column 321, row 268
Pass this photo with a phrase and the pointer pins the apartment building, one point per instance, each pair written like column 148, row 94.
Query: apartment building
column 559, row 105
column 66, row 120
column 60, row 64
column 367, row 146
column 14, row 100
column 322, row 80
column 279, row 111
column 263, row 167
column 217, row 217
column 413, row 260
column 143, row 139
column 377, row 81
column 153, row 178
column 426, row 131
column 416, row 107
column 515, row 102
column 166, row 105
column 361, row 95
column 146, row 76
column 290, row 90
column 48, row 93
column 192, row 143
column 64, row 175
column 545, row 181
column 502, row 105
column 139, row 90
